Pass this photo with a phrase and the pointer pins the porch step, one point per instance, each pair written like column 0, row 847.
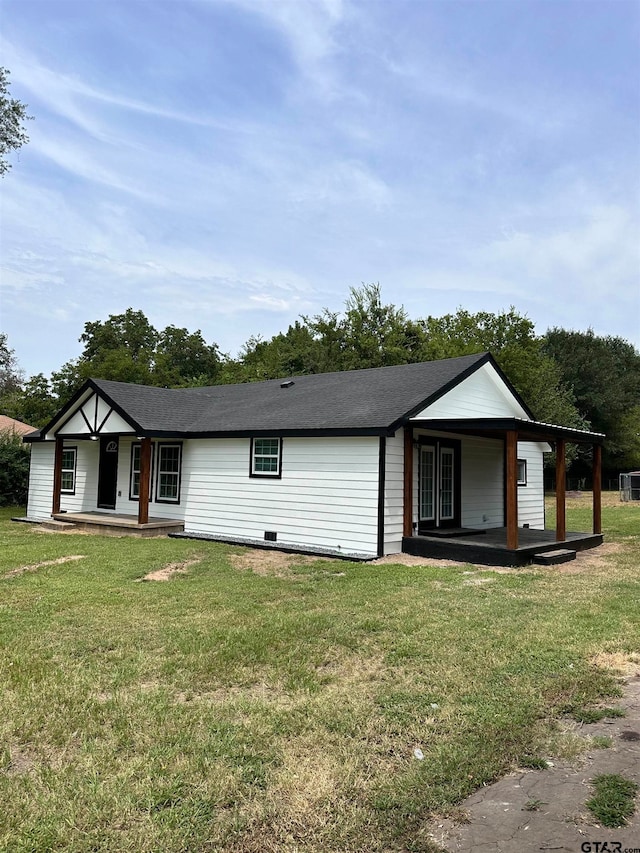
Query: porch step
column 553, row 558
column 453, row 532
column 54, row 524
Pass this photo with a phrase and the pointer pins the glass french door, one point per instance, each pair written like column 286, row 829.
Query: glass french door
column 427, row 484
column 438, row 498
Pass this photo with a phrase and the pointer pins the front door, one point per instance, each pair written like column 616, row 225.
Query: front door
column 438, row 484
column 108, row 472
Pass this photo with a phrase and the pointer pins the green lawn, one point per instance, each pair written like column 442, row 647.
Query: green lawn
column 276, row 706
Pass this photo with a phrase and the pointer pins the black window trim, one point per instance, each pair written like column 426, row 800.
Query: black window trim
column 159, row 447
column 524, row 463
column 133, row 497
column 73, row 449
column 265, row 475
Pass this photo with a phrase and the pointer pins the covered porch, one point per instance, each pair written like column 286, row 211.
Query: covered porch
column 489, row 547
column 510, row 544
column 139, row 524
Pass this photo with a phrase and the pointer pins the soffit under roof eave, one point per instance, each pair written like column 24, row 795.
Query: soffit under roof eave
column 497, row 427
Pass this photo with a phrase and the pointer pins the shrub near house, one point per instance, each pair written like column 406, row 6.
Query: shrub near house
column 14, row 470
column 14, row 462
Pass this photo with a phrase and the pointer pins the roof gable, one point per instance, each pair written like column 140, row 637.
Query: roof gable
column 88, row 413
column 483, row 394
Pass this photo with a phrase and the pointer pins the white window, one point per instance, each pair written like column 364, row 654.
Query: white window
column 68, row 472
column 522, row 472
column 266, row 457
column 169, row 468
column 134, row 476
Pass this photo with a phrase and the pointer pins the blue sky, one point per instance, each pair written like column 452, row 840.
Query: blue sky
column 227, row 165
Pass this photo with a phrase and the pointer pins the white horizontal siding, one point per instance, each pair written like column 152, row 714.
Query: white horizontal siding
column 531, row 496
column 40, row 498
column 327, row 495
column 394, row 493
column 482, row 482
column 481, row 395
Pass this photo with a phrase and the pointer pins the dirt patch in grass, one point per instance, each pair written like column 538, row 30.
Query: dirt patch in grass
column 414, row 560
column 270, row 563
column 274, row 696
column 589, row 561
column 352, row 676
column 586, row 561
column 168, row 571
column 35, row 566
column 20, row 761
column 621, row 662
column 310, row 776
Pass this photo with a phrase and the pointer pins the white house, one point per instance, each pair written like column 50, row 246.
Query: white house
column 415, row 457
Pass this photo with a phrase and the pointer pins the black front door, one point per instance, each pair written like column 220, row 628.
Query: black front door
column 108, row 473
column 439, row 489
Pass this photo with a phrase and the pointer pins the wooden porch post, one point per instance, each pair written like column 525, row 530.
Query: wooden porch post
column 597, row 488
column 57, row 476
column 512, row 490
column 561, row 476
column 145, row 476
column 407, row 525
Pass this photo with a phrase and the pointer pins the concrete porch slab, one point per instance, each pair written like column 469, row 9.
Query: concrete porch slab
column 112, row 524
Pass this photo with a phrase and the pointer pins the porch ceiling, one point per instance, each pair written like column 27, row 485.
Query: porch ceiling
column 498, row 427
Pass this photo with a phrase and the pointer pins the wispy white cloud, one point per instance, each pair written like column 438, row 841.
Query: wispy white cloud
column 70, row 96
column 602, row 251
column 79, row 161
column 432, row 79
column 311, row 30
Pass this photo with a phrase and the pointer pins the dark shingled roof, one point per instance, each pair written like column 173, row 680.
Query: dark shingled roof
column 359, row 400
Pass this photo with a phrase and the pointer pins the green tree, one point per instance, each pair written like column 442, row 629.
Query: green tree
column 184, row 358
column 35, row 403
column 13, row 114
column 511, row 339
column 127, row 348
column 121, row 348
column 292, row 353
column 368, row 334
column 11, row 377
column 14, row 470
column 378, row 335
column 604, row 375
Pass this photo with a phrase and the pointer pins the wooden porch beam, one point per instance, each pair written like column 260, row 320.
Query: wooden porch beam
column 597, row 488
column 57, row 475
column 561, row 477
column 512, row 489
column 145, row 477
column 407, row 524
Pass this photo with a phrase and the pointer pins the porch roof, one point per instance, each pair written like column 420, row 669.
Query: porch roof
column 497, row 427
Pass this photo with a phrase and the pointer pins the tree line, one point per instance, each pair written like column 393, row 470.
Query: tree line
column 577, row 379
